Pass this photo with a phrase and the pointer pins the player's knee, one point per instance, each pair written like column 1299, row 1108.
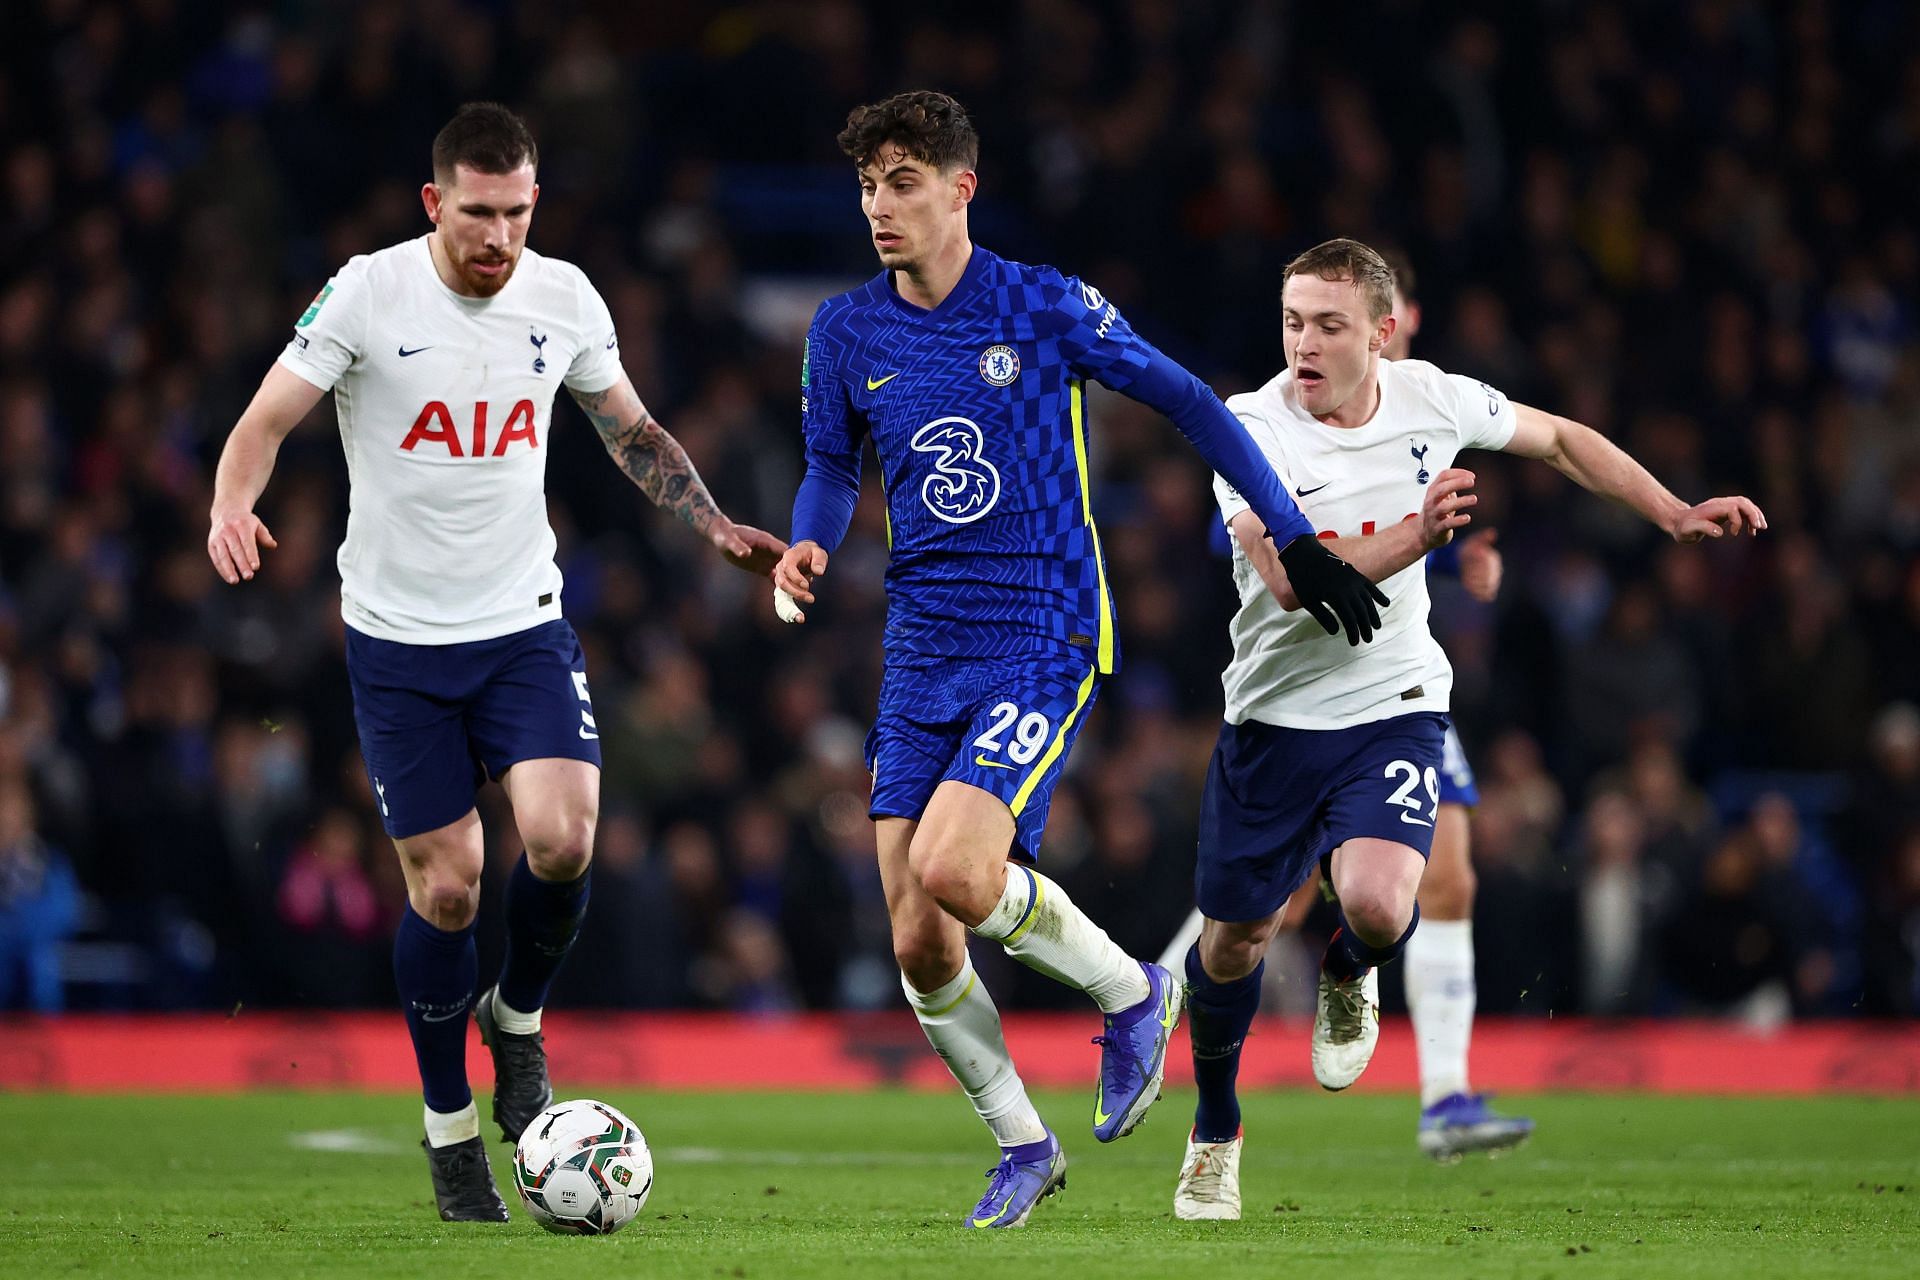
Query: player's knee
column 950, row 879
column 447, row 901
column 561, row 847
column 1230, row 958
column 925, row 958
column 1378, row 916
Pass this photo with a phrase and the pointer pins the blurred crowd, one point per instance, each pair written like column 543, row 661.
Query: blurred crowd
column 1693, row 226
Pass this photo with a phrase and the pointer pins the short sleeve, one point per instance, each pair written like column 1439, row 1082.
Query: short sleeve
column 331, row 333
column 1231, row 503
column 596, row 365
column 1483, row 413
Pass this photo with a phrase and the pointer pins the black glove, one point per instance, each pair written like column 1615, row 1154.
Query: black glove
column 1329, row 588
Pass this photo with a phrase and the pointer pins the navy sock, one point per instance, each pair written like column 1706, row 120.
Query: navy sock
column 436, row 971
column 1348, row 958
column 1219, row 1015
column 543, row 919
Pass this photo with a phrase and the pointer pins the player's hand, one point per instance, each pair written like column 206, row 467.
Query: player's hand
column 746, row 547
column 1481, row 566
column 1333, row 591
column 1716, row 518
column 234, row 544
column 1445, row 508
column 799, row 566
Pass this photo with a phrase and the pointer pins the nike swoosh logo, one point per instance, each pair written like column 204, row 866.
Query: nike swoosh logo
column 404, row 353
column 1100, row 1115
column 873, row 385
column 1418, row 822
column 1302, row 493
column 990, row 764
column 442, row 1017
column 1167, row 1015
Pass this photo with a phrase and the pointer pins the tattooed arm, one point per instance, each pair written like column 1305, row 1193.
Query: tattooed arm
column 656, row 463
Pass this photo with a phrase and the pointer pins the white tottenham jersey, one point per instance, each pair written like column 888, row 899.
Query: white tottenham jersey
column 444, row 405
column 1286, row 669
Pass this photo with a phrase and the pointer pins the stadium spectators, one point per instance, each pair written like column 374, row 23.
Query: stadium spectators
column 39, row 906
column 1697, row 231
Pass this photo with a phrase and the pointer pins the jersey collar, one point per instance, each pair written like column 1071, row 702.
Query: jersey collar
column 1382, row 422
column 472, row 304
column 970, row 282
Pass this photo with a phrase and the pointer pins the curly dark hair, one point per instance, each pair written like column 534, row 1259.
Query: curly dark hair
column 1348, row 260
column 931, row 127
column 487, row 138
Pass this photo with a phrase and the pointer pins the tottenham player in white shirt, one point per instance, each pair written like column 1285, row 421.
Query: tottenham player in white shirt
column 1340, row 751
column 1439, row 957
column 444, row 355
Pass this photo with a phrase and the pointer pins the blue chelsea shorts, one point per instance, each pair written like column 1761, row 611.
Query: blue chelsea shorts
column 1003, row 725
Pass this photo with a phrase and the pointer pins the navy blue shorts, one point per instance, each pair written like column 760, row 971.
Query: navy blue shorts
column 437, row 720
column 1456, row 775
column 1003, row 725
column 1277, row 799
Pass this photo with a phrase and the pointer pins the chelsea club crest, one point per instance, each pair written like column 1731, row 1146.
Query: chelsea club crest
column 1000, row 364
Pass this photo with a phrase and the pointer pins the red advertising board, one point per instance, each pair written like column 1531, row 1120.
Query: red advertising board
column 88, row 1054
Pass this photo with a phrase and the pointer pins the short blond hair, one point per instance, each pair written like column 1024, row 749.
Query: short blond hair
column 1348, row 260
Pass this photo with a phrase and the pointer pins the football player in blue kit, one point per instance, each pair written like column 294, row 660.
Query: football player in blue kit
column 968, row 372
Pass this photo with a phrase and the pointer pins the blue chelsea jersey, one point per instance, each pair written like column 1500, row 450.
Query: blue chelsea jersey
column 977, row 413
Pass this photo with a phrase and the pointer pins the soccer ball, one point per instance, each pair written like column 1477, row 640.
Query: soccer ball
column 583, row 1168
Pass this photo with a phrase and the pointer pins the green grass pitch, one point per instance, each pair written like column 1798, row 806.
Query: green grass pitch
column 856, row 1185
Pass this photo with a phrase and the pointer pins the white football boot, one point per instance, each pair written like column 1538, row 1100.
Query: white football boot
column 1209, row 1187
column 1346, row 1026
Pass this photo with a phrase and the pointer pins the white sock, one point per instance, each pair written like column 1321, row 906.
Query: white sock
column 443, row 1130
column 1440, row 996
column 510, row 1019
column 963, row 1027
column 1041, row 928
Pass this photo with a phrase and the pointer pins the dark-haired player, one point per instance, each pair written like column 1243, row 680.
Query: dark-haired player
column 1328, row 751
column 444, row 354
column 968, row 372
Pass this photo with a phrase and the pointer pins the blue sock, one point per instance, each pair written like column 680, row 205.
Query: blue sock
column 436, row 971
column 1348, row 958
column 543, row 919
column 1218, row 1017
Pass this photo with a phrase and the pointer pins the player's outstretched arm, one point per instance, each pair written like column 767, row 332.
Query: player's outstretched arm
column 1376, row 555
column 656, row 463
column 1598, row 465
column 1333, row 591
column 1098, row 343
column 246, row 463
